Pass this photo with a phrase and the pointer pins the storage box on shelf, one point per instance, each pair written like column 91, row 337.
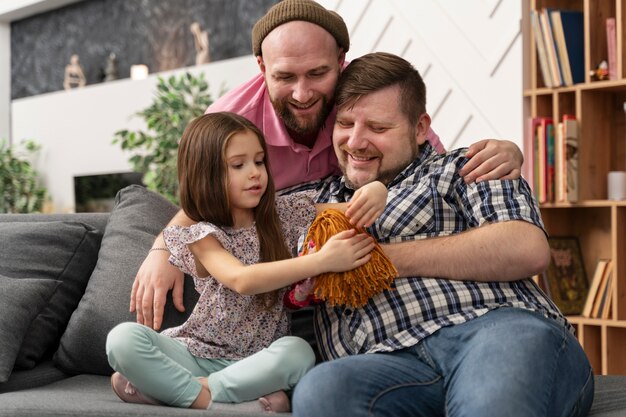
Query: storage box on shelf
column 599, row 224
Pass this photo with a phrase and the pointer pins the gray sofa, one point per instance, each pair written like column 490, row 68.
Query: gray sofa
column 65, row 281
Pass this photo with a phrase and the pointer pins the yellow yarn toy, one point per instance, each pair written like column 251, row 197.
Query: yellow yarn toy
column 351, row 288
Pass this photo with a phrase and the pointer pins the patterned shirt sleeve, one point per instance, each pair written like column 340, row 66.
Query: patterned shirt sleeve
column 296, row 212
column 178, row 237
column 498, row 201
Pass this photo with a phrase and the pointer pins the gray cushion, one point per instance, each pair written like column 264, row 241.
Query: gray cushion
column 91, row 395
column 610, row 397
column 20, row 301
column 137, row 217
column 97, row 220
column 63, row 251
column 43, row 374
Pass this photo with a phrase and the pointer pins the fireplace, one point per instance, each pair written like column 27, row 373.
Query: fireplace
column 96, row 193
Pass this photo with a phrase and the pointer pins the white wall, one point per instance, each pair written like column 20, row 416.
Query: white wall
column 5, row 80
column 75, row 128
column 18, row 9
column 13, row 10
column 469, row 53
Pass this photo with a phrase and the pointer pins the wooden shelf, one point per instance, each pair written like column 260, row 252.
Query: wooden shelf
column 588, row 203
column 598, row 223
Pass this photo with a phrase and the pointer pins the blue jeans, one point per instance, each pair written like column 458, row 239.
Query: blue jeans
column 508, row 362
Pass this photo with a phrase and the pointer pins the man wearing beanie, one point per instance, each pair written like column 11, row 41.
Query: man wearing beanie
column 300, row 48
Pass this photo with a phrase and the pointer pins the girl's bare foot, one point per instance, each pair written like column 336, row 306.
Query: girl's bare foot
column 203, row 401
column 276, row 402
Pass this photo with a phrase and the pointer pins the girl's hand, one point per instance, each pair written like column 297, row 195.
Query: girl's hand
column 367, row 204
column 345, row 251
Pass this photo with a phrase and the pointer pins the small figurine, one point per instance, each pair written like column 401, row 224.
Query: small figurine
column 110, row 71
column 74, row 75
column 201, row 40
column 601, row 72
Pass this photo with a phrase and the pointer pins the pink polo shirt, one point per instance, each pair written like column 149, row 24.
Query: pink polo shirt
column 291, row 163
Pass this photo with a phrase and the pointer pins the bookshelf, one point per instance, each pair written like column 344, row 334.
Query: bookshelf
column 599, row 223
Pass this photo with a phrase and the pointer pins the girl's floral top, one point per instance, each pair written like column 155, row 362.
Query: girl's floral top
column 225, row 324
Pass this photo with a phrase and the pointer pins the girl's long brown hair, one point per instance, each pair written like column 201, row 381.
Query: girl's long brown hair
column 203, row 182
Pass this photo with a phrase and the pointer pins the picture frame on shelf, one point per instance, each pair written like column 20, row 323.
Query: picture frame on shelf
column 566, row 278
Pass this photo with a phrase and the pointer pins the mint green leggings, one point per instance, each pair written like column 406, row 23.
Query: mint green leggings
column 164, row 369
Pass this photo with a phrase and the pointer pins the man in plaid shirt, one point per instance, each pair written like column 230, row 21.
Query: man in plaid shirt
column 492, row 346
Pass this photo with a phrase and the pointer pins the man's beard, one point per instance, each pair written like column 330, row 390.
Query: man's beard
column 387, row 175
column 300, row 127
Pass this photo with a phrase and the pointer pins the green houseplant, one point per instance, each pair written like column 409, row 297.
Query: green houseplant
column 177, row 101
column 20, row 189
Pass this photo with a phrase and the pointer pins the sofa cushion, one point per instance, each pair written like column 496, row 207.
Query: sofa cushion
column 63, row 251
column 136, row 219
column 43, row 373
column 91, row 395
column 21, row 299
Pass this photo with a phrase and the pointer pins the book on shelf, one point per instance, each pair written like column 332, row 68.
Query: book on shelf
column 545, row 285
column 566, row 275
column 544, row 64
column 549, row 179
column 568, row 33
column 608, row 302
column 542, row 282
column 594, row 286
column 560, row 189
column 543, row 156
column 551, row 159
column 611, row 43
column 551, row 52
column 540, row 160
column 571, row 138
column 528, row 167
column 559, row 39
column 601, row 295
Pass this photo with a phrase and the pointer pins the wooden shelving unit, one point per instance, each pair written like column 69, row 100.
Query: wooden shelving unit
column 599, row 224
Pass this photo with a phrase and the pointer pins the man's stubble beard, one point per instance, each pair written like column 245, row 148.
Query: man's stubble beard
column 383, row 176
column 387, row 175
column 281, row 107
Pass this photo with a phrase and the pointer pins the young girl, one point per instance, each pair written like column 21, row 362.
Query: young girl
column 238, row 254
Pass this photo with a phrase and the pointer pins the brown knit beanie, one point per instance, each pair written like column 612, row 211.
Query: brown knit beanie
column 307, row 10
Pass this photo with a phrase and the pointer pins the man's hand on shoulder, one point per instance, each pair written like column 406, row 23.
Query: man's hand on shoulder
column 155, row 278
column 492, row 159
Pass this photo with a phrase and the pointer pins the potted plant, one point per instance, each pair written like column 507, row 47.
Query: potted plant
column 20, row 189
column 177, row 101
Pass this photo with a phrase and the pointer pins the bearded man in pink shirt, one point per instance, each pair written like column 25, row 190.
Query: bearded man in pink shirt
column 300, row 48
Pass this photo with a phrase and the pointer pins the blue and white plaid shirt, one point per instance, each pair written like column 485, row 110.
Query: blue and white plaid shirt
column 429, row 198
